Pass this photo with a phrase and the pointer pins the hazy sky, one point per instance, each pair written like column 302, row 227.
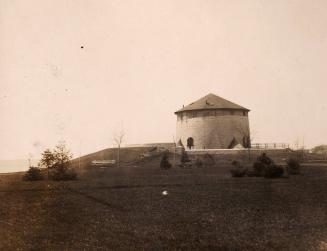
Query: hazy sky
column 142, row 60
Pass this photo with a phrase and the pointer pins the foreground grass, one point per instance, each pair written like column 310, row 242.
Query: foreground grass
column 205, row 209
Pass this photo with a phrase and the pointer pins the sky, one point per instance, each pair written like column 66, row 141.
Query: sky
column 80, row 70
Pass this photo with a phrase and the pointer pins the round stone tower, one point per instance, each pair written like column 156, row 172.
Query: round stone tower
column 213, row 123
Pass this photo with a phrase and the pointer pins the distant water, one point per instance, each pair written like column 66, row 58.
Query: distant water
column 17, row 165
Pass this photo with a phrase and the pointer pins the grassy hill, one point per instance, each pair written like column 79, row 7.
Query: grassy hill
column 127, row 155
column 131, row 155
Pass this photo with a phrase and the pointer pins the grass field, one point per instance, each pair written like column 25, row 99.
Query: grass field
column 205, row 209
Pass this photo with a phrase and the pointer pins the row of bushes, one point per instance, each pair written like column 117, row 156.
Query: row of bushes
column 185, row 162
column 59, row 173
column 265, row 167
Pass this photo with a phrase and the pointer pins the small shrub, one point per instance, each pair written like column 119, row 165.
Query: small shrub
column 184, row 157
column 293, row 166
column 258, row 169
column 33, row 173
column 164, row 163
column 238, row 170
column 265, row 167
column 273, row 171
column 198, row 163
column 263, row 158
column 69, row 174
column 62, row 172
column 251, row 173
column 185, row 161
column 237, row 173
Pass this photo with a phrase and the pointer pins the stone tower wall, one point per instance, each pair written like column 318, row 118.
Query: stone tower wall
column 213, row 129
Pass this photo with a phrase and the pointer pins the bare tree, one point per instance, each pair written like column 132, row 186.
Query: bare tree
column 118, row 138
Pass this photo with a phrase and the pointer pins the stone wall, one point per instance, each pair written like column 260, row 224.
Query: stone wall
column 212, row 132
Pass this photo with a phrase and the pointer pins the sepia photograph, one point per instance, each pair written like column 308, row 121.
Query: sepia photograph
column 163, row 125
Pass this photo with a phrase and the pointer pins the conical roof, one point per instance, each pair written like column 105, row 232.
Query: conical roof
column 212, row 101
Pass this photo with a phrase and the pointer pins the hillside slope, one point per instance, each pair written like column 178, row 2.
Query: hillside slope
column 127, row 154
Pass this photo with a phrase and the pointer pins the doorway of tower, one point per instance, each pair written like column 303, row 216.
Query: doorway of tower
column 190, row 143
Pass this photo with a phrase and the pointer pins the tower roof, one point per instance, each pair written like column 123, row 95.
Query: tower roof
column 212, row 101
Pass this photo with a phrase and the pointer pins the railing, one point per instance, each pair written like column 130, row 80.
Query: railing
column 270, row 145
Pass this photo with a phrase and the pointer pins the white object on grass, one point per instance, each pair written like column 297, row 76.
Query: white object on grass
column 164, row 193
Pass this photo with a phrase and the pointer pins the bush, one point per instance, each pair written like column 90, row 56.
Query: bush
column 251, row 173
column 184, row 157
column 259, row 169
column 263, row 158
column 265, row 167
column 238, row 170
column 62, row 172
column 33, row 173
column 293, row 166
column 198, row 163
column 273, row 171
column 185, row 161
column 164, row 163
